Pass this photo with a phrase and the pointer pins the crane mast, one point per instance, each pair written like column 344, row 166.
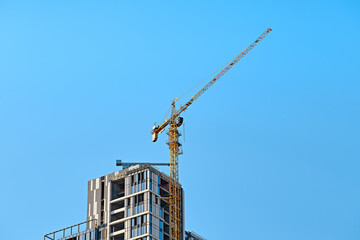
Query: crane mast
column 175, row 121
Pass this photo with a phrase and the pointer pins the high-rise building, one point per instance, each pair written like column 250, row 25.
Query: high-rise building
column 129, row 204
column 132, row 204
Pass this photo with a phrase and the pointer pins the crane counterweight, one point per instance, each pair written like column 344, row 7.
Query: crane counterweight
column 179, row 121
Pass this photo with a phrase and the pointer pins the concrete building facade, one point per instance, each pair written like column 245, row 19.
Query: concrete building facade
column 127, row 202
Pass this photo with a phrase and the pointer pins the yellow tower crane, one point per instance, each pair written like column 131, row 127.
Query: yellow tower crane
column 175, row 121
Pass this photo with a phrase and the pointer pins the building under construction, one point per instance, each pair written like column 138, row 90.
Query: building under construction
column 139, row 202
column 128, row 204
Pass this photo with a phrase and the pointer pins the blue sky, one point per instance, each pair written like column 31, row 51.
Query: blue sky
column 271, row 151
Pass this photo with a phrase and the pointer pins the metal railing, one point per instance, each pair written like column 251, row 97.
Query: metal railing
column 73, row 229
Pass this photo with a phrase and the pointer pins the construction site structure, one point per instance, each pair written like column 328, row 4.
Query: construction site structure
column 129, row 204
column 175, row 121
column 139, row 202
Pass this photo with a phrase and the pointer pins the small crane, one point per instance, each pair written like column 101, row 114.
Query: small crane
column 176, row 121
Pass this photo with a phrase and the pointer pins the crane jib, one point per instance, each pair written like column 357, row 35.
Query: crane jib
column 207, row 86
column 225, row 70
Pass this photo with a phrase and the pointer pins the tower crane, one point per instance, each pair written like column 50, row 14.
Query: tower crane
column 175, row 121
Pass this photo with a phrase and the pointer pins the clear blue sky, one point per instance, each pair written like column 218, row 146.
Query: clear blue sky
column 271, row 150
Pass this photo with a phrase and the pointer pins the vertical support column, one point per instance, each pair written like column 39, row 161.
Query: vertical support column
column 174, row 180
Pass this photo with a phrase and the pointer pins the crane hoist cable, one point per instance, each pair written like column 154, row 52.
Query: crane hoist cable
column 206, row 78
column 175, row 121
